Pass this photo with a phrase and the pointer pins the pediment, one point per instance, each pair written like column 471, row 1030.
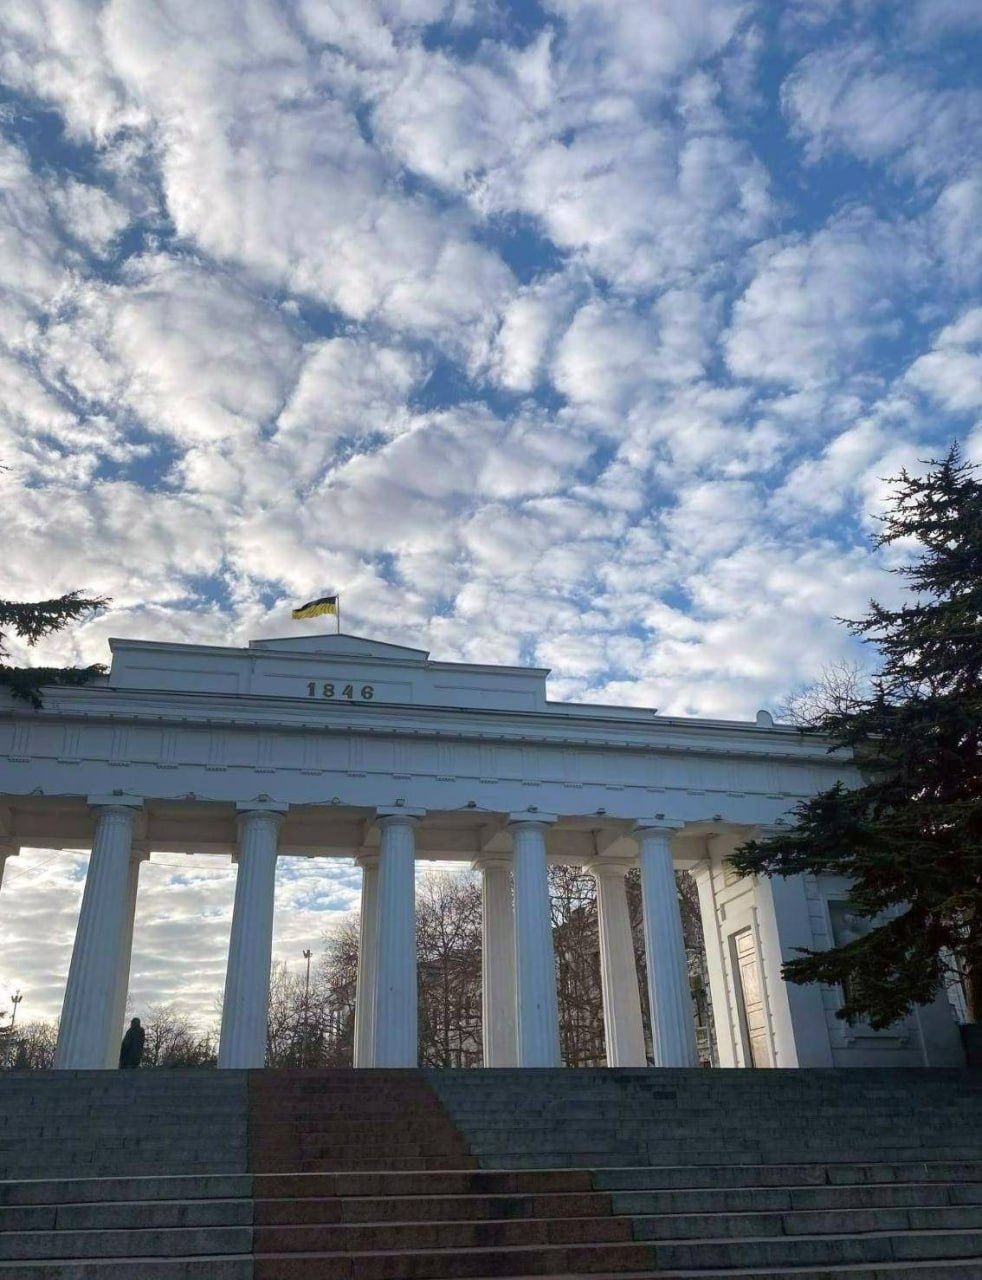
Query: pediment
column 333, row 645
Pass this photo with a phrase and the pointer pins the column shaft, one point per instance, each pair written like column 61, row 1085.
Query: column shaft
column 673, row 1031
column 497, row 964
column 395, row 991
column 623, row 1025
column 125, row 960
column 535, row 963
column 244, row 1010
column 366, row 981
column 88, row 1015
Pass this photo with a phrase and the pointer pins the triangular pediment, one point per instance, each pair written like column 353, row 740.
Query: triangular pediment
column 342, row 645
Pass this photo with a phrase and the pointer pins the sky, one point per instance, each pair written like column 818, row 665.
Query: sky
column 560, row 332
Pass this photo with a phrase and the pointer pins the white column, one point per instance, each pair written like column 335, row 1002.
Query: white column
column 623, row 1026
column 88, row 1014
column 673, row 1029
column 125, row 959
column 367, row 962
column 718, row 985
column 497, row 963
column 7, row 851
column 245, row 1007
column 535, row 963
column 396, row 1037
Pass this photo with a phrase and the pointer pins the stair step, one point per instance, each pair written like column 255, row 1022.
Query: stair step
column 554, row 1260
column 419, row 1235
column 192, row 1267
column 156, row 1242
column 422, row 1208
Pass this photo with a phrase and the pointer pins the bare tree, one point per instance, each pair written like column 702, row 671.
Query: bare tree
column 576, row 943
column 173, row 1040
column 34, row 1046
column 337, row 980
column 448, row 948
column 838, row 690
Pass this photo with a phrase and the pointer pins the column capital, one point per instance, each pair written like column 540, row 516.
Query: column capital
column 531, row 818
column 251, row 815
column 117, row 801
column 493, row 861
column 610, row 867
column 657, row 826
column 398, row 815
column 261, row 805
column 366, row 860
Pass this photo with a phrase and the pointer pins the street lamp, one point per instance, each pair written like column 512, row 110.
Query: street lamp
column 306, row 1008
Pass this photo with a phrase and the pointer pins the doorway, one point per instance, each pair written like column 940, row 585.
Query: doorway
column 753, row 1012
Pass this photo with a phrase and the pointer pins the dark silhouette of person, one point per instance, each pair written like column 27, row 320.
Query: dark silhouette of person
column 131, row 1050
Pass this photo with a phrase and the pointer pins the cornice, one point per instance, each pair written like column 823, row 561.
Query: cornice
column 552, row 727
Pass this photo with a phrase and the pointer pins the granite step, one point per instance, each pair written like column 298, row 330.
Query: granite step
column 431, row 1208
column 129, row 1243
column 110, row 1215
column 420, row 1235
column 95, row 1190
column 655, row 1178
column 211, row 1267
column 800, row 1198
column 553, row 1260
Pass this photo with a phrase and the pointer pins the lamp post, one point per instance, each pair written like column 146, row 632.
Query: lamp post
column 15, row 1001
column 306, row 1009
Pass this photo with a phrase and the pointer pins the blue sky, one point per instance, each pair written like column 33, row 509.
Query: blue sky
column 575, row 333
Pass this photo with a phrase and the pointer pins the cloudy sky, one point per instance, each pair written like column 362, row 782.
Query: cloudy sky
column 563, row 331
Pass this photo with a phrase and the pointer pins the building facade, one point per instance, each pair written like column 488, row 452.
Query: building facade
column 342, row 747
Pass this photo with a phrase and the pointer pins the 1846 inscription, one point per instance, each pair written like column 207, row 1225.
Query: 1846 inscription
column 351, row 692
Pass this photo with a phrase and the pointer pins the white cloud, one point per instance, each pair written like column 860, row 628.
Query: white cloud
column 952, row 373
column 852, row 99
column 89, row 214
column 531, row 334
column 817, row 303
column 189, row 352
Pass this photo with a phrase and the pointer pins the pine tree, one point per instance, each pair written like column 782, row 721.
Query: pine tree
column 910, row 836
column 32, row 621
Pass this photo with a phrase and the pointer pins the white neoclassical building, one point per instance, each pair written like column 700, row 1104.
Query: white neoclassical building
column 341, row 747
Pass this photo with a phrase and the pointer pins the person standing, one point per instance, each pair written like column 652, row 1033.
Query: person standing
column 131, row 1050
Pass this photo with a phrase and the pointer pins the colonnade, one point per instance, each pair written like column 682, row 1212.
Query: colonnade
column 520, row 1006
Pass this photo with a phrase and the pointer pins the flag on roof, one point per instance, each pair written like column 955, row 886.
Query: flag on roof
column 314, row 608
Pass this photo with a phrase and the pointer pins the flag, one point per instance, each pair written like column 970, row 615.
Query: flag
column 314, row 608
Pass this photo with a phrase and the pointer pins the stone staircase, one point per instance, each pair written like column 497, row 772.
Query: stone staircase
column 408, row 1175
column 94, row 1123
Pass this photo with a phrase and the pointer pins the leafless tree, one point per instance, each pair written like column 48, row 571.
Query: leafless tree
column 838, row 690
column 448, row 948
column 173, row 1040
column 336, row 982
column 33, row 1046
column 576, row 943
